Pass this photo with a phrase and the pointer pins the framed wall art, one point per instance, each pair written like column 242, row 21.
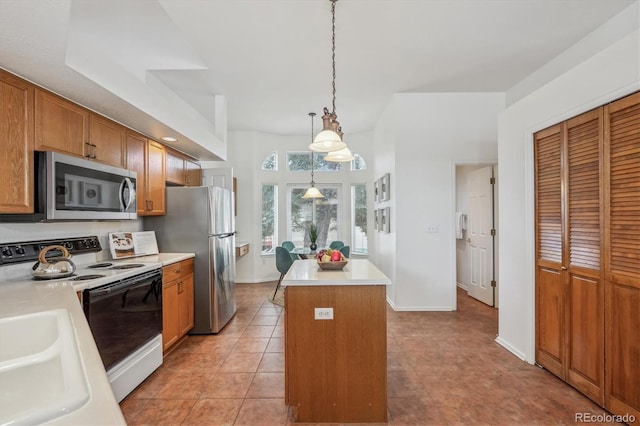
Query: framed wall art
column 376, row 190
column 385, row 195
column 386, row 220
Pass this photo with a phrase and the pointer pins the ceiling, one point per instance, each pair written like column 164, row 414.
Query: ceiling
column 171, row 66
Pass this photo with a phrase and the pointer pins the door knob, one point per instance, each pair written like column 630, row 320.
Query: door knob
column 468, row 240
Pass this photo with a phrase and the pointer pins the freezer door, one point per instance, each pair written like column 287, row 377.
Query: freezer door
column 222, row 280
column 221, row 210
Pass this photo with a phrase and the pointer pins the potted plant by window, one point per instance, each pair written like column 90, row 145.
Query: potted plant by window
column 313, row 236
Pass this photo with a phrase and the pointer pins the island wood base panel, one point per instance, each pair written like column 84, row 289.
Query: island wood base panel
column 336, row 370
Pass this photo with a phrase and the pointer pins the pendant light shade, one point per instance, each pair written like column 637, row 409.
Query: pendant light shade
column 340, row 156
column 312, row 191
column 328, row 139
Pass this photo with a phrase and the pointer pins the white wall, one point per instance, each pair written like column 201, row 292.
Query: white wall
column 430, row 133
column 247, row 151
column 611, row 73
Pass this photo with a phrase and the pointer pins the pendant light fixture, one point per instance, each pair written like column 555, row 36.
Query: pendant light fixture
column 329, row 139
column 312, row 191
column 340, row 156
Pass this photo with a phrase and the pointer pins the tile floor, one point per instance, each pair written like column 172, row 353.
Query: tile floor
column 444, row 368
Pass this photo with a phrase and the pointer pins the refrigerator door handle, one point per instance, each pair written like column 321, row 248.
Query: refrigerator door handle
column 229, row 234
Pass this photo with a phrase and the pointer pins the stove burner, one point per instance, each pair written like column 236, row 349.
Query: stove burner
column 100, row 265
column 52, row 278
column 87, row 277
column 128, row 266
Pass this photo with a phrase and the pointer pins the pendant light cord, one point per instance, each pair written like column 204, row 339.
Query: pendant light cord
column 333, row 51
column 312, row 114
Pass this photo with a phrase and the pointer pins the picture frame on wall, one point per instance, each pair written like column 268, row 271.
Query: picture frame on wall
column 385, row 194
column 376, row 191
column 378, row 219
column 386, row 220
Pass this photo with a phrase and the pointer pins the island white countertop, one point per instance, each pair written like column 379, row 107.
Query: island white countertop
column 357, row 272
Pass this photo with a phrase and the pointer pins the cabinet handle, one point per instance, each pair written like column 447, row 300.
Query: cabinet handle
column 94, row 152
column 87, row 150
column 564, row 268
column 180, row 289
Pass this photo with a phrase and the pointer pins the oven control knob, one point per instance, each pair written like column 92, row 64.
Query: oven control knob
column 19, row 250
column 6, row 252
column 68, row 245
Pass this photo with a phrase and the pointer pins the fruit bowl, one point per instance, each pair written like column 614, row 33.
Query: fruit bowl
column 332, row 265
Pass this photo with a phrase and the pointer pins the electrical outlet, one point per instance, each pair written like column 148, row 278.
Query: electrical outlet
column 323, row 313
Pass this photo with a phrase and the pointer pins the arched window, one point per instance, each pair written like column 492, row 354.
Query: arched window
column 271, row 162
column 358, row 163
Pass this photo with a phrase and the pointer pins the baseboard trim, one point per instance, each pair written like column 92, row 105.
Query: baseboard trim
column 462, row 286
column 418, row 308
column 508, row 346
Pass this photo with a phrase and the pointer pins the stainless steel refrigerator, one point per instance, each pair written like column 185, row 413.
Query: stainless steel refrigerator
column 200, row 220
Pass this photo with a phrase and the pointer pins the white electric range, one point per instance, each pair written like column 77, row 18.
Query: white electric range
column 121, row 300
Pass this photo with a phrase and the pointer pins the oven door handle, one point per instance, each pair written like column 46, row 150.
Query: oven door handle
column 127, row 193
column 123, row 286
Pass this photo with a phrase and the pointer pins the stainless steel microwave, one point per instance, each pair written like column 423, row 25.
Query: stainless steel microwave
column 70, row 188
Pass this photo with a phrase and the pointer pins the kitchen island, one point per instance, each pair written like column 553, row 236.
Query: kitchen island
column 336, row 343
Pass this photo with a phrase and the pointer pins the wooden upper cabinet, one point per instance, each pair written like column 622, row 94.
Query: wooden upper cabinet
column 155, row 201
column 146, row 157
column 175, row 167
column 193, row 173
column 16, row 144
column 136, row 161
column 107, row 141
column 182, row 170
column 62, row 126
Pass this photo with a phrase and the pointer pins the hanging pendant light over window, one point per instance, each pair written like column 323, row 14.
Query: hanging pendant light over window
column 312, row 192
column 330, row 139
column 341, row 155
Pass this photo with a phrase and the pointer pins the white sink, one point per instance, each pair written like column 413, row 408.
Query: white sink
column 41, row 374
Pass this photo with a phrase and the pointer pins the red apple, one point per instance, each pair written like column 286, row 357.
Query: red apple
column 336, row 256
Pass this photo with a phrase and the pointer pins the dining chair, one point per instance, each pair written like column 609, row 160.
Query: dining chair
column 336, row 244
column 345, row 250
column 288, row 245
column 283, row 263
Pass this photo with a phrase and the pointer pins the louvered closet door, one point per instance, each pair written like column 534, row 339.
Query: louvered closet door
column 549, row 274
column 584, row 234
column 622, row 333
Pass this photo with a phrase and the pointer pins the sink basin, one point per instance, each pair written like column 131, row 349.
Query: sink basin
column 41, row 373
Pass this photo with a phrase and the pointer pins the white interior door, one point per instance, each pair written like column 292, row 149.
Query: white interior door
column 480, row 240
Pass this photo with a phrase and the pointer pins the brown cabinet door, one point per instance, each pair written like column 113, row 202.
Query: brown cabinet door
column 60, row 125
column 583, row 244
column 175, row 167
column 186, row 304
column 16, row 144
column 622, row 179
column 107, row 141
column 170, row 314
column 155, row 201
column 136, row 161
column 193, row 173
column 550, row 274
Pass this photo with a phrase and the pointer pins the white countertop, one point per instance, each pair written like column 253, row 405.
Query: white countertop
column 356, row 272
column 25, row 297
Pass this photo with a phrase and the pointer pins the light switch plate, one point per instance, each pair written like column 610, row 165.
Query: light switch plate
column 323, row 313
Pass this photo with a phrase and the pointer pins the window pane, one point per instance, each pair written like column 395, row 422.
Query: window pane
column 301, row 162
column 359, row 218
column 269, row 218
column 270, row 162
column 324, row 212
column 358, row 163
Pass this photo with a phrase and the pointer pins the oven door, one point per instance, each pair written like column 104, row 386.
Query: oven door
column 124, row 315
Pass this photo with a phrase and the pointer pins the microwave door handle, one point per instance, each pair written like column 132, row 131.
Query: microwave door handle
column 127, row 193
